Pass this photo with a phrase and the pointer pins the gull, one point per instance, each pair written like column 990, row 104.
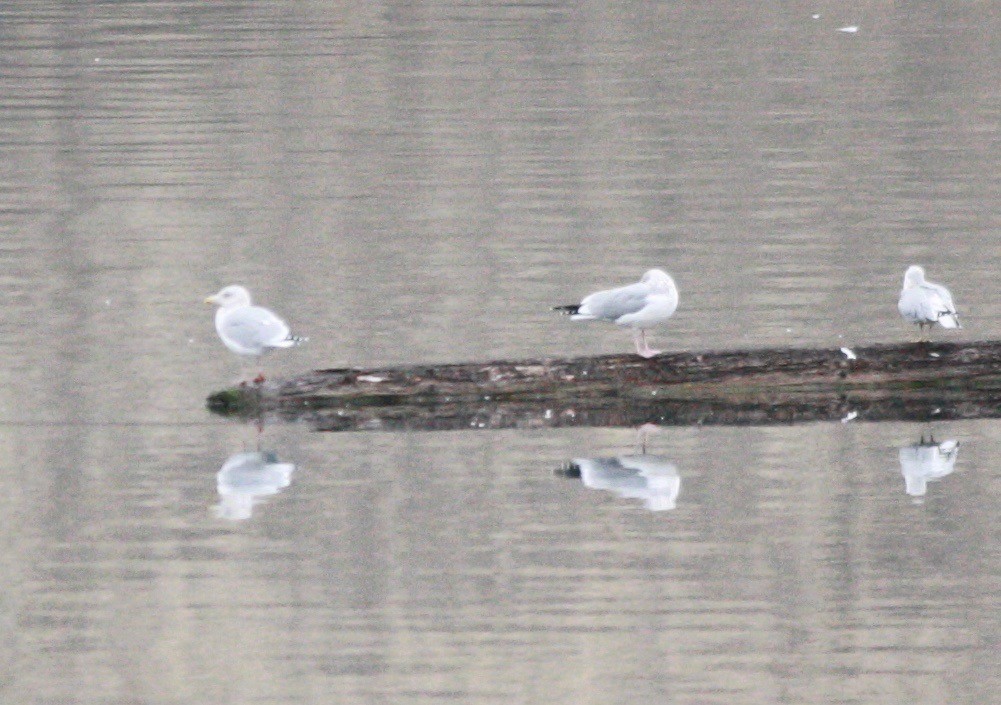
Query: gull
column 245, row 479
column 924, row 462
column 650, row 478
column 645, row 304
column 248, row 330
column 925, row 303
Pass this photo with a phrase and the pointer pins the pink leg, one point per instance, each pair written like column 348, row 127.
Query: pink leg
column 246, row 370
column 639, row 340
column 642, row 348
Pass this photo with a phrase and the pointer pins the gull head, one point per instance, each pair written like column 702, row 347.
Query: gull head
column 914, row 276
column 658, row 280
column 230, row 297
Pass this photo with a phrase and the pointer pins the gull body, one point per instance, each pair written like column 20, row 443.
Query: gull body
column 249, row 330
column 925, row 462
column 926, row 303
column 640, row 306
column 246, row 478
column 650, row 478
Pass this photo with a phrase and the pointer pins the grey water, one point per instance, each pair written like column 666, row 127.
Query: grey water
column 420, row 182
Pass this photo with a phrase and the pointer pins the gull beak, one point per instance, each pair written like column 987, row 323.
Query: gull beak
column 210, row 300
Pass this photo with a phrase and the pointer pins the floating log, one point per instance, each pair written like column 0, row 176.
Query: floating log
column 916, row 381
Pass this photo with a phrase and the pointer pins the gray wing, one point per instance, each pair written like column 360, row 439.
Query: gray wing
column 255, row 327
column 649, row 465
column 615, row 303
column 943, row 295
column 607, row 474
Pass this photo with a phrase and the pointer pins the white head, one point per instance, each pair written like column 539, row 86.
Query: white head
column 658, row 280
column 914, row 276
column 230, row 297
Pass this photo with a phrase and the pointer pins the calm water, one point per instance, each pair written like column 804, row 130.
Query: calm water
column 420, row 182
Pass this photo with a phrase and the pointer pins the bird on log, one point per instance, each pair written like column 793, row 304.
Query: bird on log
column 926, row 303
column 640, row 306
column 247, row 330
column 917, row 381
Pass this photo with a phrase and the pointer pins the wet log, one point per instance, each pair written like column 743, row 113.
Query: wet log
column 916, row 381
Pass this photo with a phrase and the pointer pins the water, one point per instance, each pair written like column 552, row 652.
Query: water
column 420, row 182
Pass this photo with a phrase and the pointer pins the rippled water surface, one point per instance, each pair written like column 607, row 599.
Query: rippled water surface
column 421, row 182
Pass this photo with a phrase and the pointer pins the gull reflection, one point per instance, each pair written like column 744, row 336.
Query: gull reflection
column 927, row 461
column 247, row 477
column 650, row 478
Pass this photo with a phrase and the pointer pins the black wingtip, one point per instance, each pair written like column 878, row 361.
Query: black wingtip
column 570, row 310
column 568, row 469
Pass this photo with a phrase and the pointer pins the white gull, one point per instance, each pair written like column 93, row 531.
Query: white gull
column 647, row 303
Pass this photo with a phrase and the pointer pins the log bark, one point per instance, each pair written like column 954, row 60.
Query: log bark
column 916, row 381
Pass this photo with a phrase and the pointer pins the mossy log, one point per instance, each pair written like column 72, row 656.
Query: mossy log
column 916, row 381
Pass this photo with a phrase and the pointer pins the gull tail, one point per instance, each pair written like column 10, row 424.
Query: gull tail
column 568, row 469
column 570, row 310
column 949, row 319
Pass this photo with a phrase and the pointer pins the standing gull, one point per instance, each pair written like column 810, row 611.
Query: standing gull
column 645, row 304
column 248, row 330
column 925, row 303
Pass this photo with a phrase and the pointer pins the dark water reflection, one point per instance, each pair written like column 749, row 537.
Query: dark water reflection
column 421, row 181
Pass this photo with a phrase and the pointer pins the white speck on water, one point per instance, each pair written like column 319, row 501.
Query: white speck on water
column 191, row 341
column 934, row 355
column 849, row 353
column 850, row 29
column 815, row 17
column 107, row 302
column 97, row 60
column 788, row 330
column 371, row 378
column 850, row 416
column 548, row 414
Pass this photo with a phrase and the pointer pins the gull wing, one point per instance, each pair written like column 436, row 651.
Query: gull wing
column 253, row 327
column 612, row 304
